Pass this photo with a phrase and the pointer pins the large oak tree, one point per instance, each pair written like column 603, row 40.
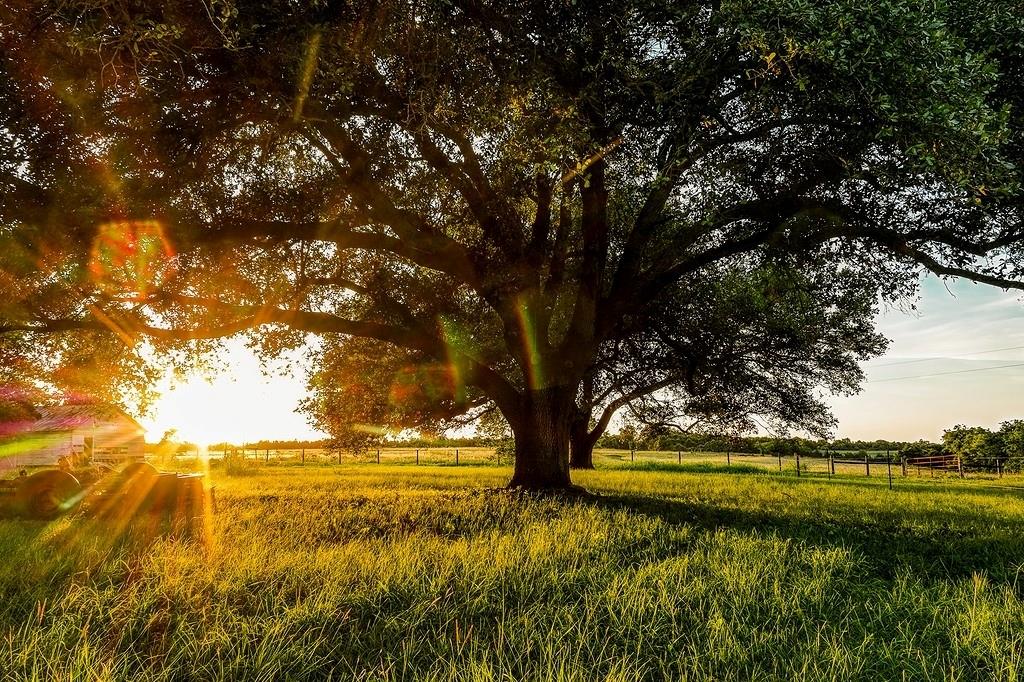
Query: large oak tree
column 733, row 351
column 500, row 190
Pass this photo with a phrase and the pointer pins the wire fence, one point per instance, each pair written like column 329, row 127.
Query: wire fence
column 888, row 466
column 402, row 455
column 829, row 464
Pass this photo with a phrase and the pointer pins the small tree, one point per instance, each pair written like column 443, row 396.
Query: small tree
column 975, row 445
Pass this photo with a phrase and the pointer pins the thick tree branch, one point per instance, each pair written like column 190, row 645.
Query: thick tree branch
column 342, row 234
column 931, row 264
column 617, row 404
column 249, row 317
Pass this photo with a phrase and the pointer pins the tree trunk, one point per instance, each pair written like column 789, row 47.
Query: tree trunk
column 541, row 430
column 581, row 445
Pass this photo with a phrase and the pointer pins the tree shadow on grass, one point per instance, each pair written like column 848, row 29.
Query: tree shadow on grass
column 931, row 544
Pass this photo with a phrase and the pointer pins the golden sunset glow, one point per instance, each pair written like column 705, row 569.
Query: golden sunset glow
column 236, row 405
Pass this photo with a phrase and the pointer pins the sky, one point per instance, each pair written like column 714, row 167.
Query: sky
column 953, row 326
column 909, row 392
column 236, row 405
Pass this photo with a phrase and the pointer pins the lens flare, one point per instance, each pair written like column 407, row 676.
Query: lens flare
column 130, row 258
column 454, row 346
column 17, row 443
column 528, row 332
column 415, row 386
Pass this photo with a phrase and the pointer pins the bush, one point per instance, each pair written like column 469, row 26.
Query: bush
column 235, row 464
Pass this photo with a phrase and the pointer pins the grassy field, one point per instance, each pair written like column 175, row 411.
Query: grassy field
column 384, row 572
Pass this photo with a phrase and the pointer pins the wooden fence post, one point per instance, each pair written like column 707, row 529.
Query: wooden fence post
column 888, row 465
column 456, row 456
column 417, row 455
column 378, row 455
column 780, row 463
column 679, row 456
column 798, row 465
column 960, row 466
column 867, row 466
column 303, row 455
column 632, row 455
column 728, row 457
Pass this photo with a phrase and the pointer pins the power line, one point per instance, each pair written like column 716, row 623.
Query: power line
column 940, row 374
column 941, row 357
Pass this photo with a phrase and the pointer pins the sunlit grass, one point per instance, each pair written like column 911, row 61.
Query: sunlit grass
column 398, row 572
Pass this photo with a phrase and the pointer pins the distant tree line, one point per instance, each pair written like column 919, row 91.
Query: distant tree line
column 629, row 437
column 328, row 444
column 292, row 444
column 978, row 447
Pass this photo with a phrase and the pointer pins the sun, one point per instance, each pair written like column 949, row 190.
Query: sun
column 237, row 405
column 199, row 411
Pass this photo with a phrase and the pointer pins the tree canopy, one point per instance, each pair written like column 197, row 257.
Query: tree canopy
column 501, row 192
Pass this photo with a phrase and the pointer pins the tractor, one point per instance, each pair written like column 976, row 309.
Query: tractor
column 136, row 489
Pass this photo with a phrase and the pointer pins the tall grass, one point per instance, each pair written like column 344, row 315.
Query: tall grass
column 372, row 572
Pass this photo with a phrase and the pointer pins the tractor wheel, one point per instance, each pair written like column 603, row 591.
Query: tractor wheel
column 48, row 494
column 135, row 481
column 163, row 497
column 138, row 473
